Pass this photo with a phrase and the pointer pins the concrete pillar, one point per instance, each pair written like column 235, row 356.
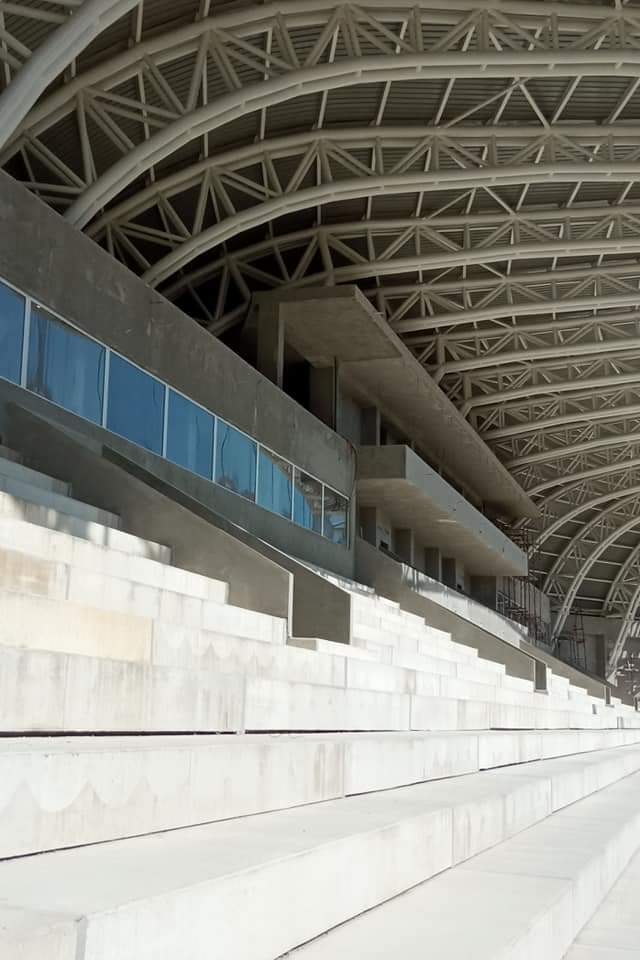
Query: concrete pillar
column 485, row 591
column 369, row 524
column 323, row 395
column 370, row 426
column 453, row 573
column 433, row 562
column 403, row 544
column 270, row 352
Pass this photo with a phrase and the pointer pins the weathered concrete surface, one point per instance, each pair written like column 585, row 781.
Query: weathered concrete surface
column 613, row 933
column 413, row 495
column 61, row 792
column 283, row 872
column 66, row 271
column 528, row 896
column 324, row 323
column 255, row 582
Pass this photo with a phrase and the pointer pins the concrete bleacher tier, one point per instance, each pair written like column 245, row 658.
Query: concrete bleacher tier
column 179, row 777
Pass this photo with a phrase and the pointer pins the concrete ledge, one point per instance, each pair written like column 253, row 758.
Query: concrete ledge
column 222, row 882
column 528, row 896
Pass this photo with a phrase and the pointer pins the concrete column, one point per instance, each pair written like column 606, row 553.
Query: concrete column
column 433, row 562
column 323, row 395
column 453, row 573
column 403, row 544
column 369, row 524
column 370, row 426
column 485, row 591
column 270, row 352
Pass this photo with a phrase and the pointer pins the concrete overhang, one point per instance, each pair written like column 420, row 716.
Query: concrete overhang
column 327, row 323
column 414, row 496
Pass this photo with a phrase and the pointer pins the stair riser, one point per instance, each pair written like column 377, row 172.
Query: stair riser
column 13, row 471
column 51, row 799
column 293, row 899
column 12, row 508
column 50, row 546
column 49, row 500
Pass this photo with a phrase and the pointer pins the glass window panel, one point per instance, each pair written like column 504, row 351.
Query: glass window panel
column 189, row 435
column 335, row 516
column 65, row 367
column 274, row 483
column 135, row 405
column 235, row 461
column 11, row 333
column 307, row 502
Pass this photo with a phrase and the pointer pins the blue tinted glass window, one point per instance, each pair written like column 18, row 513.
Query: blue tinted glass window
column 335, row 516
column 136, row 404
column 11, row 333
column 307, row 502
column 189, row 435
column 235, row 461
column 65, row 367
column 274, row 483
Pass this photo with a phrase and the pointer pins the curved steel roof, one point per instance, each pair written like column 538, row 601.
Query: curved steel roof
column 472, row 166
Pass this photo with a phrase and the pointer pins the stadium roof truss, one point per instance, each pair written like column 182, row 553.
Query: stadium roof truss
column 472, row 166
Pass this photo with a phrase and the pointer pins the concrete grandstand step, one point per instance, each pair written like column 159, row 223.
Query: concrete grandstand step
column 49, row 500
column 58, row 792
column 54, row 546
column 15, row 511
column 12, row 470
column 43, row 691
column 121, row 590
column 259, row 886
column 527, row 897
column 333, row 648
column 613, row 932
column 114, row 627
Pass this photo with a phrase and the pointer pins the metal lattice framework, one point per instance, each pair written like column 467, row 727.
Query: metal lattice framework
column 472, row 166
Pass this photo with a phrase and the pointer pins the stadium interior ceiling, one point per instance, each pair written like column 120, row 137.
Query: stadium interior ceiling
column 471, row 166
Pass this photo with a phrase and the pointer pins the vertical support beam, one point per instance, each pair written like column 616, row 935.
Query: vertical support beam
column 270, row 353
column 433, row 562
column 370, row 426
column 324, row 395
column 369, row 524
column 403, row 544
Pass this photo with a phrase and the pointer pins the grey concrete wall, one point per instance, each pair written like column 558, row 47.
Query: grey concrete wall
column 255, row 582
column 67, row 272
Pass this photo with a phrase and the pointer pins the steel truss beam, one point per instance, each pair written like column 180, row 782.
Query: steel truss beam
column 34, row 71
column 584, row 569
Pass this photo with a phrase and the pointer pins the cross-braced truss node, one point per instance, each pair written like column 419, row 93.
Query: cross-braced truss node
column 472, row 166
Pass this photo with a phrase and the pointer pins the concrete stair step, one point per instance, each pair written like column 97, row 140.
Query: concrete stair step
column 53, row 546
column 527, row 897
column 259, row 886
column 14, row 470
column 47, row 500
column 43, row 691
column 175, row 594
column 60, row 625
column 22, row 518
column 59, row 792
column 334, row 649
column 6, row 453
column 613, row 932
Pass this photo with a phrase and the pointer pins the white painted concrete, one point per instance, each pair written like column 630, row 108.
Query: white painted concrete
column 283, row 874
column 613, row 932
column 16, row 508
column 20, row 489
column 57, row 792
column 525, row 898
column 13, row 470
